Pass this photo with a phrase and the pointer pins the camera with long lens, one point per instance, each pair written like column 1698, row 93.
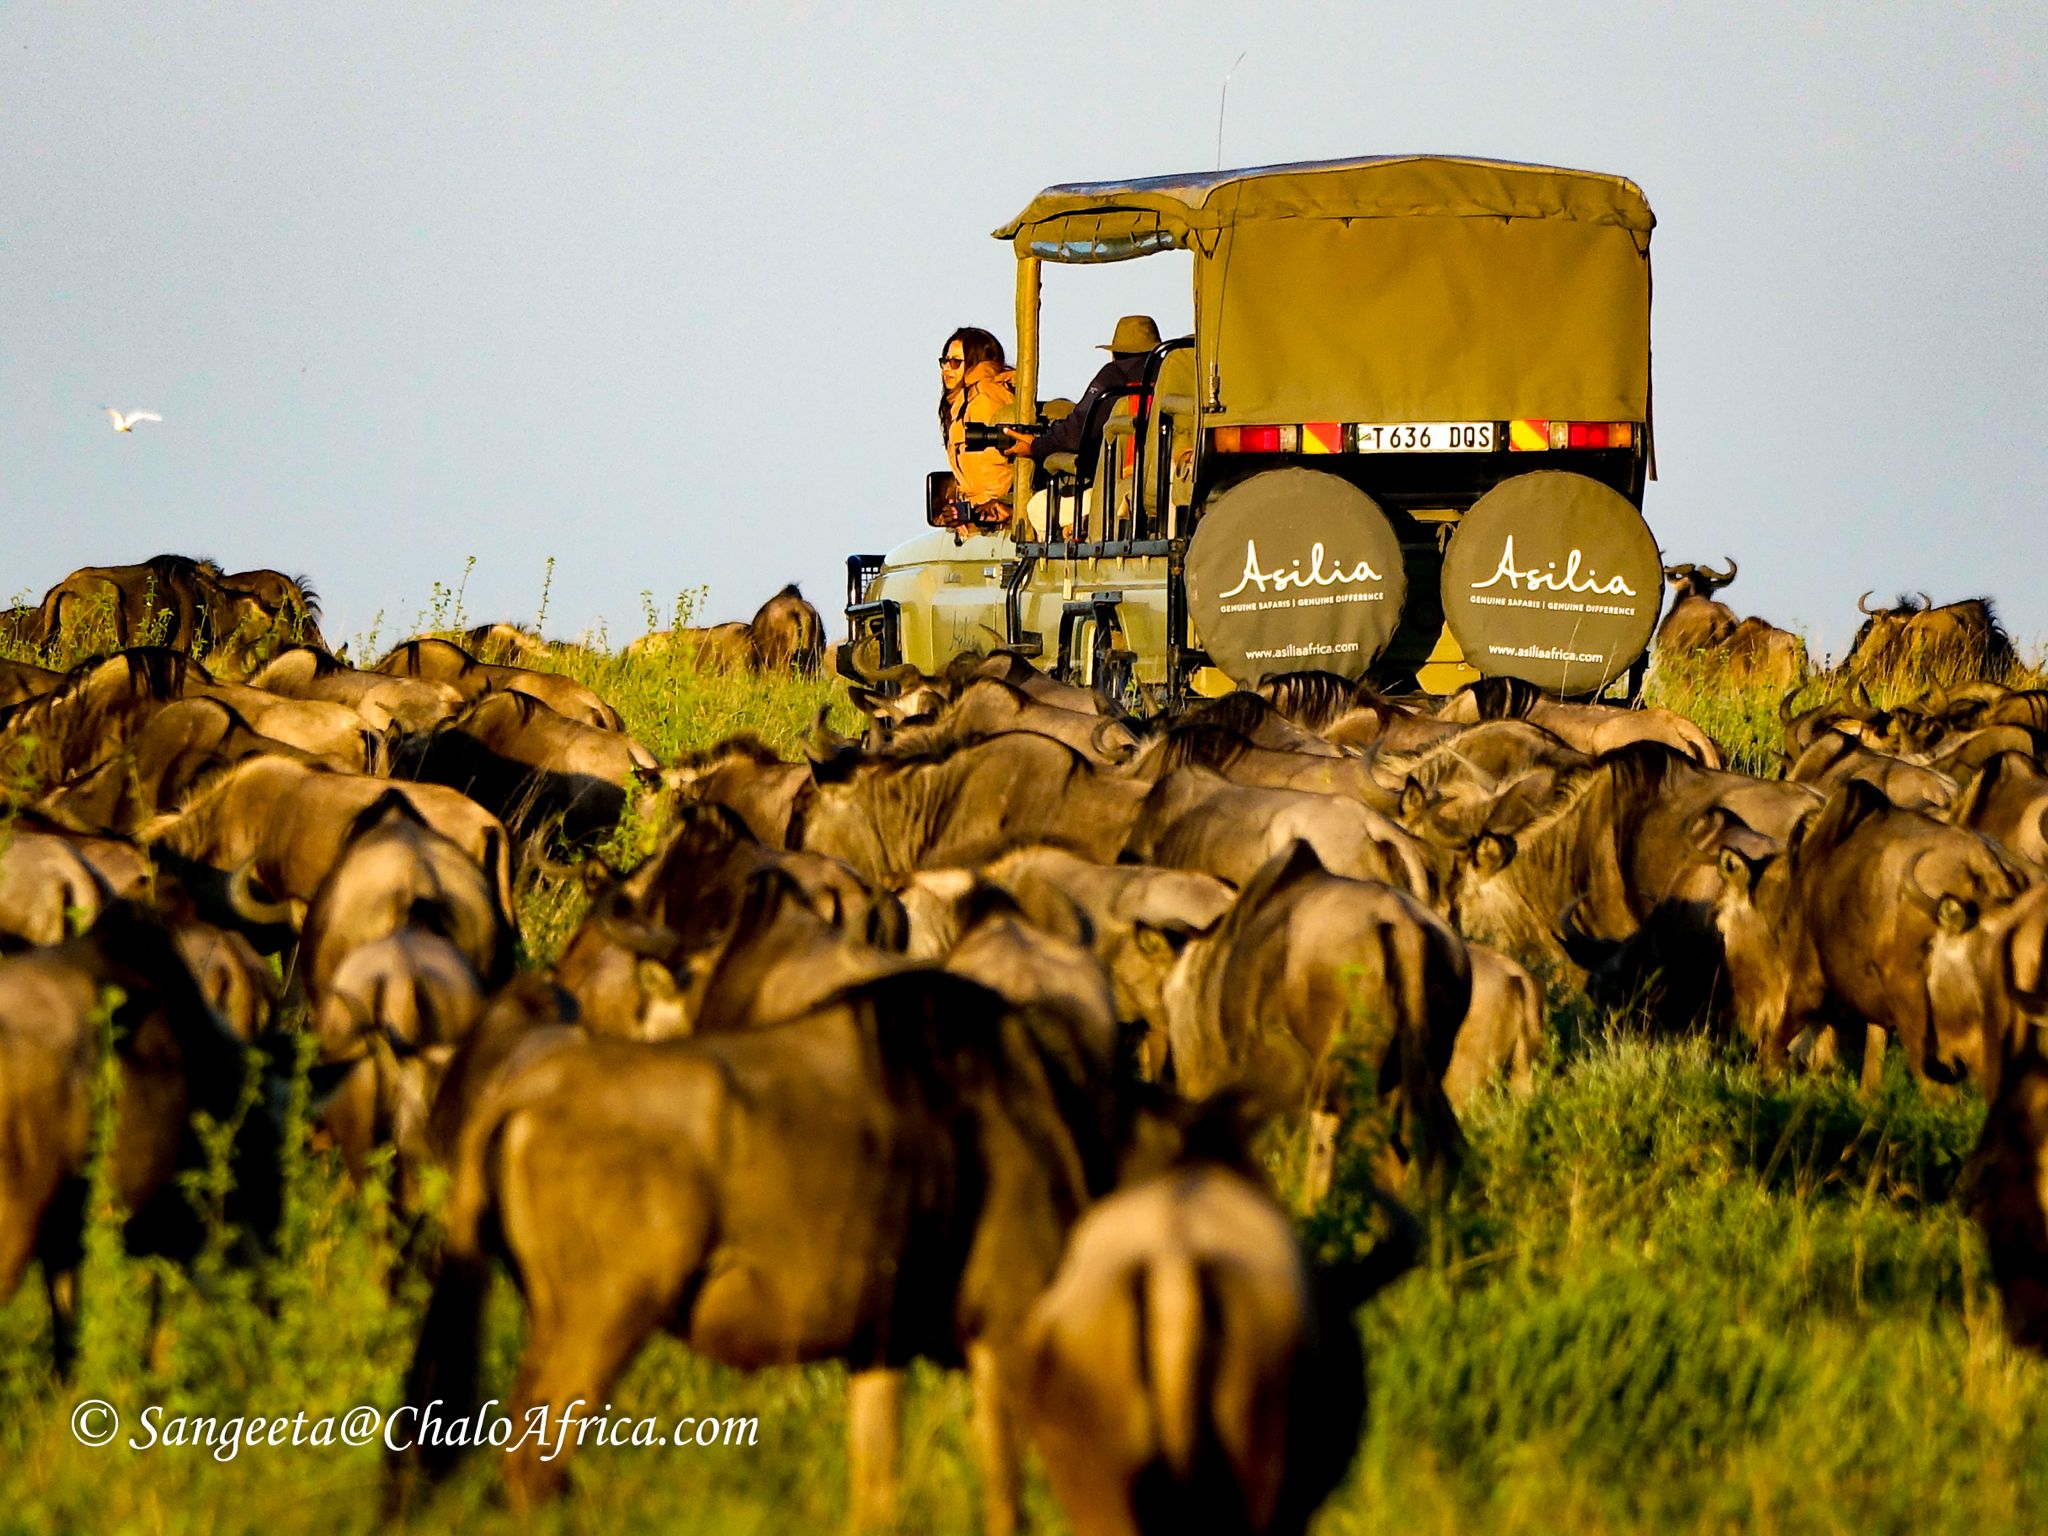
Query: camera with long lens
column 980, row 436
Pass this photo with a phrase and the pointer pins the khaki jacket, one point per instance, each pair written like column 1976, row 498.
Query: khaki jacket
column 984, row 394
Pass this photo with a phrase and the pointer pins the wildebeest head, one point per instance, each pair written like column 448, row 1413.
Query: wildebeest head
column 1698, row 580
column 2012, row 1197
column 789, row 635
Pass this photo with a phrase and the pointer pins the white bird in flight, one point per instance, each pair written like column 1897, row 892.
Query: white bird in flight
column 126, row 423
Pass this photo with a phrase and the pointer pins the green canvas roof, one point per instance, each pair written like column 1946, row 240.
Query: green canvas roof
column 1116, row 221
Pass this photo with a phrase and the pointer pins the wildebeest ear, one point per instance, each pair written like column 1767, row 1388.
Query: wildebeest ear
column 2024, row 968
column 324, row 1080
column 1704, row 831
column 1414, row 800
column 654, row 979
column 1739, row 872
column 1161, row 942
column 1492, row 852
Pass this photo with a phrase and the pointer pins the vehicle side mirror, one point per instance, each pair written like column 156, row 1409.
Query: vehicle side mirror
column 941, row 491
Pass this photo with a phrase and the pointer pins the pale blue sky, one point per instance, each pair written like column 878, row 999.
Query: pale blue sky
column 656, row 289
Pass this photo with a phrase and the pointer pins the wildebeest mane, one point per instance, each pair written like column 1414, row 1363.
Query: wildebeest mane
column 392, row 802
column 1506, row 698
column 742, row 744
column 1310, row 699
column 1194, row 742
column 411, row 649
column 1240, row 710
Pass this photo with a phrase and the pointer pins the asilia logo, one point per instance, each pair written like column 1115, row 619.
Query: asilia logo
column 1547, row 578
column 1292, row 575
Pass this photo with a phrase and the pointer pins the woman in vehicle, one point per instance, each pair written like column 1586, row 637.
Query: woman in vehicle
column 976, row 385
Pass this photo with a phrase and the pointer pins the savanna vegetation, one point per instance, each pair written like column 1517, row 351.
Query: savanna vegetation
column 1667, row 1293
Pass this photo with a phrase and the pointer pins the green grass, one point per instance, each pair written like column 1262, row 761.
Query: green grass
column 1668, row 1293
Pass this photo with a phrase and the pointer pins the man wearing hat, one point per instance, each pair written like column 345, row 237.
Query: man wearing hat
column 1080, row 431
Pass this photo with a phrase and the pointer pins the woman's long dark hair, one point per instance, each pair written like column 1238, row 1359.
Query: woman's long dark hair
column 976, row 346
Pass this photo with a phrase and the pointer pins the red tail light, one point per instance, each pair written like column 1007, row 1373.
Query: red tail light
column 1536, row 434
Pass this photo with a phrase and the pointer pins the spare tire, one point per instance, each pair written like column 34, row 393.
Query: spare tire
column 1293, row 570
column 1553, row 578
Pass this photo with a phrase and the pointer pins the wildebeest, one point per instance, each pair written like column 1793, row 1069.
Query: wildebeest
column 1641, row 827
column 785, row 636
column 2012, row 1196
column 1919, row 643
column 1838, row 930
column 1194, row 819
column 443, row 661
column 158, row 765
column 891, row 1176
column 2008, row 801
column 533, row 768
column 1748, row 652
column 1187, row 1369
column 1591, row 728
column 179, row 603
column 88, row 718
column 175, row 1058
column 287, row 823
column 47, row 889
column 21, row 680
column 1305, row 965
column 410, row 703
column 393, row 1012
column 988, row 706
column 395, row 872
column 1502, row 1030
column 889, row 816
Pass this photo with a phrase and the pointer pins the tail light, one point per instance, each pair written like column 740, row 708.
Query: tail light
column 1255, row 439
column 1536, row 435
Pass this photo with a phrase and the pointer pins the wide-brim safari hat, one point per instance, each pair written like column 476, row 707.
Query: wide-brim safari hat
column 1134, row 333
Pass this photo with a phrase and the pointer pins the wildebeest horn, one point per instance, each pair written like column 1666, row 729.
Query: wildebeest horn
column 1585, row 951
column 1785, row 711
column 1926, row 602
column 249, row 906
column 826, row 743
column 1862, row 606
column 1956, row 914
column 1730, row 576
column 1115, row 751
column 640, row 938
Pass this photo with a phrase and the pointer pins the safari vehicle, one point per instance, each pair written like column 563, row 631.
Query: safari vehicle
column 1408, row 440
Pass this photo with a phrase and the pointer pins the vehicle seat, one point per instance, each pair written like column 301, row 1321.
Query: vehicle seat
column 1174, row 402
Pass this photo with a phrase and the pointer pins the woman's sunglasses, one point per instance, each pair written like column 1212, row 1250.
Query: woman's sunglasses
column 952, row 362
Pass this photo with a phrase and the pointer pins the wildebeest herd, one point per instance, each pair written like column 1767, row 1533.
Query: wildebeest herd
column 948, row 1041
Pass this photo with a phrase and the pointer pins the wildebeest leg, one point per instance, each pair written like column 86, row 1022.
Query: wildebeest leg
column 874, row 1415
column 995, row 1440
column 571, row 1361
column 351, row 1120
column 61, row 1285
column 591, row 1304
column 1321, row 1169
column 1872, row 1077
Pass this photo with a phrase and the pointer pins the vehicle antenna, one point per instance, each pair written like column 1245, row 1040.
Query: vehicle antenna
column 1222, row 101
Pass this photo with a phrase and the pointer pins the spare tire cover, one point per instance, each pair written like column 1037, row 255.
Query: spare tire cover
column 1293, row 570
column 1553, row 578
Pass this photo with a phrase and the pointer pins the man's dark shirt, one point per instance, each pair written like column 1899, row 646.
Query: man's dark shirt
column 1080, row 432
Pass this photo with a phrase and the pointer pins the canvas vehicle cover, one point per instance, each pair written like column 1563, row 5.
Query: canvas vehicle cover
column 1394, row 288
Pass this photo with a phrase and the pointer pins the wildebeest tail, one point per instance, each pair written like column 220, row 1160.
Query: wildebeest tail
column 1168, row 1304
column 445, row 1362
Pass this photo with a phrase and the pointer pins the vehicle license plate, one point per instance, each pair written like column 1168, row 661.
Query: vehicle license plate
column 1422, row 437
